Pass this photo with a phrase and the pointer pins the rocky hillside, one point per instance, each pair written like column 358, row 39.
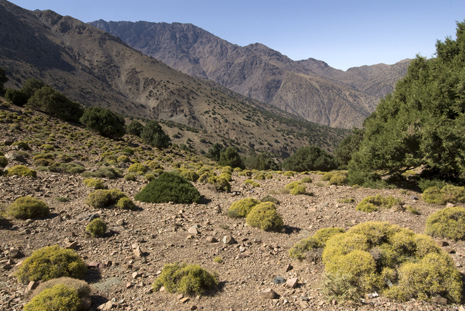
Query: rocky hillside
column 97, row 69
column 122, row 264
column 308, row 88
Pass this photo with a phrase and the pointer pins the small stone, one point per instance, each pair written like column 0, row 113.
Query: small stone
column 106, row 306
column 184, row 300
column 15, row 253
column 461, row 308
column 439, row 300
column 136, row 250
column 32, row 285
column 193, row 230
column 194, row 307
column 268, row 294
column 279, row 280
column 129, row 285
column 180, row 296
column 73, row 245
column 450, row 204
column 135, row 275
column 289, row 267
column 303, row 304
column 442, row 243
column 292, row 283
column 211, row 239
column 227, row 239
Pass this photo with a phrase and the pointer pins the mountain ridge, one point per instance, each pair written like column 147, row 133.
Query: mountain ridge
column 261, row 73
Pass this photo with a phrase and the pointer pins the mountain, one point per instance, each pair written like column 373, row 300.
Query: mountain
column 308, row 88
column 97, row 69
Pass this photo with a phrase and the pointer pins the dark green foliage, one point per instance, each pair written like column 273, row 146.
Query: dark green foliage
column 104, row 121
column 186, row 279
column 17, row 97
column 134, row 128
column 230, row 157
column 55, row 104
column 261, row 162
column 310, row 158
column 215, row 151
column 347, row 146
column 169, row 187
column 422, row 121
column 154, row 135
column 31, row 86
column 3, row 80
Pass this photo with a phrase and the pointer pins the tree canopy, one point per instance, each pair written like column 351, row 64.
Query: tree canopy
column 422, row 122
column 153, row 134
column 3, row 80
column 104, row 121
column 310, row 158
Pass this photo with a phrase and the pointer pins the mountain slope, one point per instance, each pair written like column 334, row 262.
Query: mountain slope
column 264, row 74
column 94, row 68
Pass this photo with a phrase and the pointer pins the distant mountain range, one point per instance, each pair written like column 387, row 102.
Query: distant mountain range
column 96, row 68
column 308, row 88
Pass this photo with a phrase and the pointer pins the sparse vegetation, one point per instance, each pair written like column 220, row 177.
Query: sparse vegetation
column 107, row 198
column 265, row 217
column 242, row 207
column 372, row 203
column 96, row 228
column 28, row 207
column 21, row 170
column 59, row 297
column 447, row 223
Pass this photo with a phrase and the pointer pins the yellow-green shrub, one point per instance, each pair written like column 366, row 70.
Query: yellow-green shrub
column 372, row 203
column 137, row 167
column 447, row 223
column 94, row 183
column 260, row 176
column 130, row 176
column 149, row 177
column 242, row 207
column 190, row 175
column 59, row 297
column 83, row 289
column 123, row 159
column 265, row 217
column 449, row 193
column 126, row 203
column 318, row 240
column 289, row 173
column 327, row 176
column 220, row 183
column 28, row 207
column 153, row 165
column 3, row 161
column 21, row 170
column 306, row 180
column 51, row 262
column 96, row 228
column 338, row 179
column 186, row 279
column 106, row 198
column 393, row 261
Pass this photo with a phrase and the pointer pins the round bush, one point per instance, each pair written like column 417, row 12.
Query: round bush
column 103, row 121
column 372, row 203
column 94, row 183
column 265, row 217
column 104, row 198
column 169, row 187
column 96, row 228
column 3, row 161
column 126, row 203
column 123, row 159
column 447, row 223
column 448, row 193
column 190, row 175
column 51, row 262
column 137, row 167
column 338, row 179
column 378, row 256
column 21, row 170
column 186, row 279
column 242, row 207
column 130, row 176
column 59, row 297
column 83, row 289
column 28, row 207
column 318, row 240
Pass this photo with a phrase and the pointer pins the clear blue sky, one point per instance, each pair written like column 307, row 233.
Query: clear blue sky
column 343, row 33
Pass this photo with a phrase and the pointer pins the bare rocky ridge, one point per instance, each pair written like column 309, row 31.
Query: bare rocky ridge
column 307, row 88
column 95, row 68
column 124, row 263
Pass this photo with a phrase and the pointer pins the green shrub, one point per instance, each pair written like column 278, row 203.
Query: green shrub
column 130, row 176
column 412, row 210
column 123, row 159
column 190, row 175
column 83, row 289
column 230, row 157
column 51, row 262
column 153, row 165
column 3, row 161
column 169, row 188
column 70, row 168
column 62, row 199
column 47, row 147
column 106, row 172
column 289, row 174
column 327, row 176
column 310, row 158
column 269, row 198
column 447, row 223
column 220, row 183
column 346, row 200
column 20, row 170
column 137, row 167
column 251, row 182
column 126, row 203
column 306, row 180
column 318, row 240
column 295, row 188
column 94, row 183
column 242, row 207
column 96, row 228
column 154, row 135
column 372, row 203
column 21, row 145
column 28, row 207
column 186, row 279
column 424, row 183
column 393, row 261
column 265, row 217
column 218, row 260
column 134, row 128
column 104, row 198
column 55, row 104
column 103, row 121
column 338, row 179
column 31, row 86
column 59, row 297
column 17, row 97
column 149, row 177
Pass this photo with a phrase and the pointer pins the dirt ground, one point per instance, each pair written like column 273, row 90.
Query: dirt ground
column 161, row 231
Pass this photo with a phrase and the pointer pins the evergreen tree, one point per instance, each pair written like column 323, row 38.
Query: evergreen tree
column 348, row 146
column 230, row 157
column 3, row 80
column 105, row 122
column 215, row 151
column 310, row 158
column 134, row 128
column 154, row 135
column 31, row 86
column 422, row 122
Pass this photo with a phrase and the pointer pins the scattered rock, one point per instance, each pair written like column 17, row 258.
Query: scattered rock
column 279, row 280
column 227, row 239
column 211, row 239
column 292, row 283
column 269, row 294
